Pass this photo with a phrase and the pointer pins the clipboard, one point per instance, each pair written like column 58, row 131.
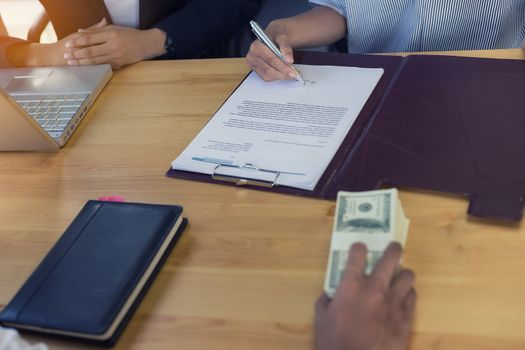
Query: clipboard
column 448, row 124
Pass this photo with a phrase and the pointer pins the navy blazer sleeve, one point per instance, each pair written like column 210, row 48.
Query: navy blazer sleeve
column 204, row 23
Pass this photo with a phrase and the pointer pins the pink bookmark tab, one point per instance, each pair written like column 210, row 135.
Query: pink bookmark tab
column 111, row 199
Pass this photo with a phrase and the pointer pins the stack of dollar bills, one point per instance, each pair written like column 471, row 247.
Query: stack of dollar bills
column 374, row 218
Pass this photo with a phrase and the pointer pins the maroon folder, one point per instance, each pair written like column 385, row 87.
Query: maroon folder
column 442, row 123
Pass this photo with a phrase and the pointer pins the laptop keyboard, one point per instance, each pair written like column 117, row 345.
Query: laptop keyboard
column 52, row 112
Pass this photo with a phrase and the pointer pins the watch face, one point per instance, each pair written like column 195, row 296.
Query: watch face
column 169, row 47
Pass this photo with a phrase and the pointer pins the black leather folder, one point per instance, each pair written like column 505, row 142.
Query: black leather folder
column 94, row 277
column 450, row 124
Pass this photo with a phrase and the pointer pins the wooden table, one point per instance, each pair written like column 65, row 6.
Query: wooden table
column 248, row 269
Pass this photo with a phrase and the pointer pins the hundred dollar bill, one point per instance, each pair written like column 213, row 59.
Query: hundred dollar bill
column 374, row 218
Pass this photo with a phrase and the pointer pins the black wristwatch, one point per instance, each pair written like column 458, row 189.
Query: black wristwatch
column 169, row 46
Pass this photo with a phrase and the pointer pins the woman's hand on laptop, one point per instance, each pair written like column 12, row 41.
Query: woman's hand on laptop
column 115, row 45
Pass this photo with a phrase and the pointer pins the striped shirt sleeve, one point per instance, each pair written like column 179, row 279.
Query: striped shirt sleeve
column 338, row 5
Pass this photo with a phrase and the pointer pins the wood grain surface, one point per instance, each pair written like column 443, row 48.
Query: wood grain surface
column 248, row 269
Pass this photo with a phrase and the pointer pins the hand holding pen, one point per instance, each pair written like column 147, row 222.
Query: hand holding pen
column 272, row 61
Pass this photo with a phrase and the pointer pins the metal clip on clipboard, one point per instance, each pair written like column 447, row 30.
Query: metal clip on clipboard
column 243, row 181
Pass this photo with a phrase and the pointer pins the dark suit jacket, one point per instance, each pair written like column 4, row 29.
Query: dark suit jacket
column 197, row 27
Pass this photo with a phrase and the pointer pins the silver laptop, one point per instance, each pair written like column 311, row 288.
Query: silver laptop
column 40, row 108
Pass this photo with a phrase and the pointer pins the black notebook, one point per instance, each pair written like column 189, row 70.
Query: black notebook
column 94, row 277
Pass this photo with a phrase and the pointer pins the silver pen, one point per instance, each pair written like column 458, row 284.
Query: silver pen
column 261, row 35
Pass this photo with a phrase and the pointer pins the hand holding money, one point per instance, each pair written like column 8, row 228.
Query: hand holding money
column 368, row 312
column 374, row 218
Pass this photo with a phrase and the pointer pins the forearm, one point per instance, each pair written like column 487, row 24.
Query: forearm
column 153, row 45
column 34, row 55
column 317, row 27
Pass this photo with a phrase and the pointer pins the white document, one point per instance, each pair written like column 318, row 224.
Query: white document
column 282, row 128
